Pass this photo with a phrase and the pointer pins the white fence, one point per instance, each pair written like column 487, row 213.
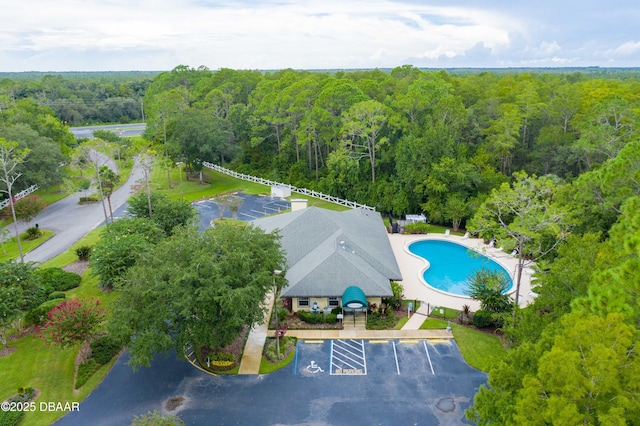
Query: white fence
column 303, row 191
column 19, row 195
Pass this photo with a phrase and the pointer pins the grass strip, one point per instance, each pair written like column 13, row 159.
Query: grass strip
column 480, row 350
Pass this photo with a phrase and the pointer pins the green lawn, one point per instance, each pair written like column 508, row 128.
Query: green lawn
column 444, row 312
column 217, row 183
column 480, row 350
column 70, row 256
column 9, row 249
column 50, row 369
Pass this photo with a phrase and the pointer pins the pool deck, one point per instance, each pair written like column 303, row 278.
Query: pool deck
column 412, row 268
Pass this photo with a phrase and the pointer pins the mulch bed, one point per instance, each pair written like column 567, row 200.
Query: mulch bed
column 77, row 267
column 8, row 351
column 236, row 348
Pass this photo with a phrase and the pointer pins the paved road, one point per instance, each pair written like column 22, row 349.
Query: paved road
column 70, row 221
column 122, row 130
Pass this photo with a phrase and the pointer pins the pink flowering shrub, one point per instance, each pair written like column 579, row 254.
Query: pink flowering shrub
column 72, row 321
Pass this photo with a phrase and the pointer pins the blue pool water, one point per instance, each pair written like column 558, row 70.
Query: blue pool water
column 452, row 264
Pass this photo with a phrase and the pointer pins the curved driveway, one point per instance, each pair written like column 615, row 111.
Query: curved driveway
column 70, row 221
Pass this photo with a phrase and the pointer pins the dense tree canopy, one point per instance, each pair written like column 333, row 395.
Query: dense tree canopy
column 201, row 288
column 166, row 213
column 121, row 244
column 20, row 290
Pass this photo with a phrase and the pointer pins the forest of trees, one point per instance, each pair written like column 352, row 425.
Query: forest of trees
column 547, row 162
column 80, row 99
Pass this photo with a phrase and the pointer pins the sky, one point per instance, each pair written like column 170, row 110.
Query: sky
column 158, row 35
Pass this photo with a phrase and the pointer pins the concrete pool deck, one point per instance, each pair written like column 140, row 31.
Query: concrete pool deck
column 412, row 268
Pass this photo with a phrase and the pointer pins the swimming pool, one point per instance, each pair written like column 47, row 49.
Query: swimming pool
column 451, row 265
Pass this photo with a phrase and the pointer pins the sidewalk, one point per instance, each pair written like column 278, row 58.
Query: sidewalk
column 417, row 318
column 252, row 354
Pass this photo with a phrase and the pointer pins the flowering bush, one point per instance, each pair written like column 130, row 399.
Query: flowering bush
column 72, row 321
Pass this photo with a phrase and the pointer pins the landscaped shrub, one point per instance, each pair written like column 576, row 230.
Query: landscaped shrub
column 482, row 319
column 83, row 252
column 57, row 295
column 39, row 314
column 72, row 321
column 33, row 233
column 310, row 317
column 497, row 318
column 13, row 418
column 375, row 321
column 270, row 350
column 464, row 316
column 104, row 348
column 416, row 228
column 85, row 371
column 282, row 314
column 10, row 418
column 88, row 200
column 337, row 310
column 330, row 318
column 222, row 361
column 395, row 301
column 59, row 279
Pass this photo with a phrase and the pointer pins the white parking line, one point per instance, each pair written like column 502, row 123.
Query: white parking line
column 428, row 357
column 396, row 355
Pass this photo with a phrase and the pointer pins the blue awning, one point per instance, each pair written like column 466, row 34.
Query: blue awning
column 353, row 298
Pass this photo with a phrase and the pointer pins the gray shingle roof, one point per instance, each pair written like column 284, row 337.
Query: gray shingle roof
column 328, row 251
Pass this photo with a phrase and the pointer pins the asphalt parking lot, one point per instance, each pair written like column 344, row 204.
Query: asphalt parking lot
column 252, row 207
column 342, row 382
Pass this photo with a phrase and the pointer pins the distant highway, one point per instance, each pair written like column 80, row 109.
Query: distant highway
column 123, row 130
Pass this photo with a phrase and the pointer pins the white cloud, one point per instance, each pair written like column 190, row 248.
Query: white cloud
column 276, row 33
column 628, row 48
column 546, row 49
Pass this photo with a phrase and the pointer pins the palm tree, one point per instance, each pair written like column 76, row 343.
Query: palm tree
column 110, row 180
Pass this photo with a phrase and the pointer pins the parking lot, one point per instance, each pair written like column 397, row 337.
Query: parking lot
column 252, row 207
column 355, row 357
column 330, row 382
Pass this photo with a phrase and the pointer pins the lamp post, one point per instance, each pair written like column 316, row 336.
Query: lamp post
column 275, row 306
column 179, row 164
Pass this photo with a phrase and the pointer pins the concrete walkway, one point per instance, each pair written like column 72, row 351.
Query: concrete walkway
column 252, row 355
column 417, row 318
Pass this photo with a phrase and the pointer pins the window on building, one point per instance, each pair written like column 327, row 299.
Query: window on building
column 303, row 302
column 334, row 301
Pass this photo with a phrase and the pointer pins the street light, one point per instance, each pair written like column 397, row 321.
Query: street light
column 275, row 305
column 180, row 163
